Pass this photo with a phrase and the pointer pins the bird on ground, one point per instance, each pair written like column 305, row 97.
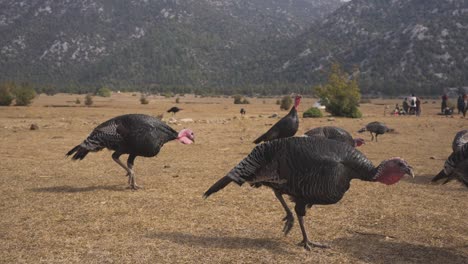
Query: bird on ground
column 133, row 134
column 335, row 133
column 312, row 171
column 174, row 110
column 378, row 128
column 456, row 166
column 285, row 127
column 460, row 139
column 242, row 111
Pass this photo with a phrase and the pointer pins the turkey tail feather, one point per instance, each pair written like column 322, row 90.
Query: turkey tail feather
column 439, row 176
column 220, row 184
column 79, row 152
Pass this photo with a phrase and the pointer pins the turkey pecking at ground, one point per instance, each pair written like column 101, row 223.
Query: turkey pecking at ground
column 311, row 170
column 174, row 110
column 285, row 127
column 378, row 128
column 335, row 133
column 133, row 134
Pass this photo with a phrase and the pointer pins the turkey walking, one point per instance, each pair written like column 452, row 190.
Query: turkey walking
column 455, row 167
column 461, row 138
column 312, row 170
column 335, row 133
column 133, row 134
column 378, row 128
column 174, row 110
column 285, row 127
column 242, row 111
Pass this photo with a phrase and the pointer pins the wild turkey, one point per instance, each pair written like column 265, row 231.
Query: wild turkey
column 335, row 133
column 242, row 111
column 455, row 167
column 378, row 128
column 312, row 170
column 174, row 110
column 461, row 138
column 285, row 127
column 133, row 134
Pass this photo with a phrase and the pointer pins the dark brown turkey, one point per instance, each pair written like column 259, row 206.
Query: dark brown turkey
column 133, row 134
column 335, row 133
column 377, row 128
column 311, row 170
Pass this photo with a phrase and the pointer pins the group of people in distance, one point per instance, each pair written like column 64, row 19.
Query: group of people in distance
column 411, row 106
column 462, row 105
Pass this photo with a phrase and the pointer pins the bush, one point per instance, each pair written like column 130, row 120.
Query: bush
column 24, row 95
column 278, row 102
column 6, row 95
column 238, row 99
column 177, row 100
column 77, row 101
column 104, row 92
column 312, row 112
column 286, row 102
column 144, row 100
column 88, row 100
column 340, row 95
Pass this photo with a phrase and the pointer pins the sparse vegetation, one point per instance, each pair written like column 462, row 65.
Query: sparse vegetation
column 239, row 99
column 177, row 100
column 104, row 92
column 6, row 94
column 286, row 102
column 312, row 112
column 24, row 94
column 77, row 101
column 143, row 99
column 88, row 100
column 340, row 95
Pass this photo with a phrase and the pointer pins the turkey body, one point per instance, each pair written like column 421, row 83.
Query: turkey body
column 311, row 170
column 285, row 127
column 174, row 110
column 455, row 167
column 133, row 134
column 377, row 128
column 460, row 139
column 332, row 132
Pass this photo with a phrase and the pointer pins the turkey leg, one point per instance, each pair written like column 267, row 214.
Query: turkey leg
column 289, row 218
column 300, row 209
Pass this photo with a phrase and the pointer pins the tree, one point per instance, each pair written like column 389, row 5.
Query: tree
column 24, row 94
column 340, row 94
column 6, row 95
column 104, row 92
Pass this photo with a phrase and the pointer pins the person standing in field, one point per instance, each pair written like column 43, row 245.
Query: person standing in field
column 465, row 104
column 412, row 101
column 405, row 105
column 418, row 107
column 444, row 103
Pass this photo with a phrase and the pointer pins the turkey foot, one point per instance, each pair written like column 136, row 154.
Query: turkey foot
column 306, row 244
column 288, row 224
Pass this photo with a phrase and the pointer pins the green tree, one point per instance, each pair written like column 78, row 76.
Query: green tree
column 340, row 95
column 104, row 92
column 6, row 93
column 24, row 94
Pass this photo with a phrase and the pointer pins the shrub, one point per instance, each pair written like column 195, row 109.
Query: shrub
column 104, row 92
column 286, row 102
column 144, row 100
column 77, row 101
column 6, row 95
column 177, row 100
column 24, row 95
column 88, row 100
column 312, row 112
column 238, row 99
column 278, row 102
column 340, row 95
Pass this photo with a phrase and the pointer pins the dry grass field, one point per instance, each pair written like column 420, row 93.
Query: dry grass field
column 54, row 210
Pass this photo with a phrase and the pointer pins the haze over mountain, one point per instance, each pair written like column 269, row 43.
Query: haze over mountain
column 267, row 46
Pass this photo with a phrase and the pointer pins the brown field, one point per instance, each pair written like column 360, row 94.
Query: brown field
column 54, row 210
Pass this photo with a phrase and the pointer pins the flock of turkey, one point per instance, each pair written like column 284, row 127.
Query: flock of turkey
column 315, row 169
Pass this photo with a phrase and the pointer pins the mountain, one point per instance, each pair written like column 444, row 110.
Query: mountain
column 145, row 43
column 395, row 47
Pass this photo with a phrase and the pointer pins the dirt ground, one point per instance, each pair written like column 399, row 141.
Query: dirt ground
column 54, row 210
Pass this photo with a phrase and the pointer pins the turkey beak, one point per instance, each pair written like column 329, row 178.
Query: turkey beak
column 409, row 171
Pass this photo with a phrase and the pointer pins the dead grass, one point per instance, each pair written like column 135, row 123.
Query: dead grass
column 54, row 210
